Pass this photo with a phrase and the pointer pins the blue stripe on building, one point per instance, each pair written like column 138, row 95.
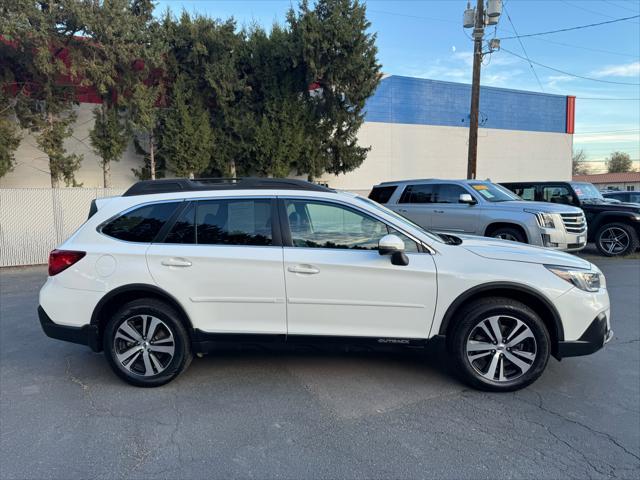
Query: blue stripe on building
column 420, row 101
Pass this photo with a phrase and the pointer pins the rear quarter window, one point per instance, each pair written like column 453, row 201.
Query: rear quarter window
column 141, row 224
column 382, row 194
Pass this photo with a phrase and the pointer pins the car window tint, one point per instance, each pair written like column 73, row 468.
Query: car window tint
column 557, row 194
column 382, row 194
column 418, row 194
column 184, row 230
column 634, row 197
column 141, row 224
column 234, row 222
column 449, row 193
column 320, row 225
column 526, row 193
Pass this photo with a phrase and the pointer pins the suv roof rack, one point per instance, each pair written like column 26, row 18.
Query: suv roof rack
column 148, row 187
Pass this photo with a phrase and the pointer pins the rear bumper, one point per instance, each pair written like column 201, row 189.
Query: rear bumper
column 593, row 339
column 85, row 335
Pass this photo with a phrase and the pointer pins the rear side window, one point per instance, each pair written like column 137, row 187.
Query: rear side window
column 382, row 194
column 419, row 194
column 141, row 224
column 224, row 222
column 234, row 222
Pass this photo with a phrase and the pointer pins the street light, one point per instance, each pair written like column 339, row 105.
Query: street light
column 477, row 18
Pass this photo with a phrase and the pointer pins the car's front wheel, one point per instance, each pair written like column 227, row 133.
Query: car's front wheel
column 146, row 343
column 614, row 239
column 499, row 344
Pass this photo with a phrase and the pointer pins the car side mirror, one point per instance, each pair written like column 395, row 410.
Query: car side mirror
column 466, row 198
column 394, row 246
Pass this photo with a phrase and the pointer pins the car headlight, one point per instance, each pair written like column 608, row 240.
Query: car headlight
column 586, row 280
column 545, row 220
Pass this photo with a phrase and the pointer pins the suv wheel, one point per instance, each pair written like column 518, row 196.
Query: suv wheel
column 509, row 233
column 615, row 239
column 146, row 344
column 499, row 345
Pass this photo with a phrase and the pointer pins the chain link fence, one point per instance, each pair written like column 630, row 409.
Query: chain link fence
column 33, row 221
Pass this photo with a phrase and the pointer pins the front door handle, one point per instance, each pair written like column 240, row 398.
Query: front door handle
column 438, row 211
column 306, row 269
column 402, row 210
column 176, row 262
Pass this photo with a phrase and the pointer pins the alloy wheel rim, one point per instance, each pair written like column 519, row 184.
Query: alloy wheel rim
column 614, row 240
column 144, row 345
column 501, row 348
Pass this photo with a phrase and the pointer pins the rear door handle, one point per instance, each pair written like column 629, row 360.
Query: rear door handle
column 402, row 210
column 306, row 269
column 438, row 211
column 176, row 262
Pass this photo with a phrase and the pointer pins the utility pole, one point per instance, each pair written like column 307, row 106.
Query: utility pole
column 477, row 19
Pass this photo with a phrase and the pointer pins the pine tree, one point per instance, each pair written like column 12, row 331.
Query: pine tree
column 109, row 138
column 337, row 53
column 39, row 49
column 187, row 138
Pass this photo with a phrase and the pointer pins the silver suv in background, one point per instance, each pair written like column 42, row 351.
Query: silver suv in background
column 475, row 207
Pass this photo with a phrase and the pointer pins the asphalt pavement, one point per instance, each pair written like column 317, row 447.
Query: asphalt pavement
column 263, row 415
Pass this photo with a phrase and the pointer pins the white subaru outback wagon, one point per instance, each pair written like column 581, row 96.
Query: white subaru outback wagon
column 174, row 267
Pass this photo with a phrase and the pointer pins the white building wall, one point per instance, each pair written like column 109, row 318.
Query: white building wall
column 402, row 151
column 399, row 151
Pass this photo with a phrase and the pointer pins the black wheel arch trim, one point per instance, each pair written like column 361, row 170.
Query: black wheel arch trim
column 494, row 286
column 612, row 216
column 142, row 288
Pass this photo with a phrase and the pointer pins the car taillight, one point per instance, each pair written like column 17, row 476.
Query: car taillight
column 60, row 260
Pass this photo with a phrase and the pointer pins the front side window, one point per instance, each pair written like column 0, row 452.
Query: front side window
column 526, row 193
column 224, row 222
column 322, row 225
column 449, row 193
column 141, row 224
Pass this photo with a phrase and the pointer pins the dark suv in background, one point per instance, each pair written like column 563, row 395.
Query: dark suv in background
column 613, row 227
column 632, row 197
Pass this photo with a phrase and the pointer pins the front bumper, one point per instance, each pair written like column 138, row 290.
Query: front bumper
column 593, row 339
column 85, row 335
column 566, row 242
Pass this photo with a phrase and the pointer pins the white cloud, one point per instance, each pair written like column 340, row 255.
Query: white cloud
column 623, row 70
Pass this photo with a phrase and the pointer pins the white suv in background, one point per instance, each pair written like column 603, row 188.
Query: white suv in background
column 174, row 267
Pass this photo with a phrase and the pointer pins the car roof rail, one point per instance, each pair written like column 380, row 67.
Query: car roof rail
column 170, row 185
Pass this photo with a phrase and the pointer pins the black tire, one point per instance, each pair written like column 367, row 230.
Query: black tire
column 170, row 328
column 509, row 233
column 626, row 234
column 470, row 317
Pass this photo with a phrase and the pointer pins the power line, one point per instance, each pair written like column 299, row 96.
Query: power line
column 587, row 9
column 620, row 6
column 573, row 28
column 535, row 74
column 568, row 73
column 581, row 47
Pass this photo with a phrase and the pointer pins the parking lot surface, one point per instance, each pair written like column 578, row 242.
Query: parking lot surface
column 253, row 414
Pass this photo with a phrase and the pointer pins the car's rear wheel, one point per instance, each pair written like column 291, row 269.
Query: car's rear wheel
column 509, row 233
column 499, row 344
column 614, row 239
column 146, row 343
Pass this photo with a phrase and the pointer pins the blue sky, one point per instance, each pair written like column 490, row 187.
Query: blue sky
column 425, row 38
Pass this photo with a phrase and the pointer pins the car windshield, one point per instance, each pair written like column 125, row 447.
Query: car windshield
column 493, row 193
column 398, row 217
column 587, row 192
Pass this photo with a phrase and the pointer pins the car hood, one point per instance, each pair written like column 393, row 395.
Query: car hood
column 542, row 207
column 519, row 252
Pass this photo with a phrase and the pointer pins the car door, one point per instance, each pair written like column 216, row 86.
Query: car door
column 339, row 285
column 415, row 203
column 452, row 216
column 222, row 260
